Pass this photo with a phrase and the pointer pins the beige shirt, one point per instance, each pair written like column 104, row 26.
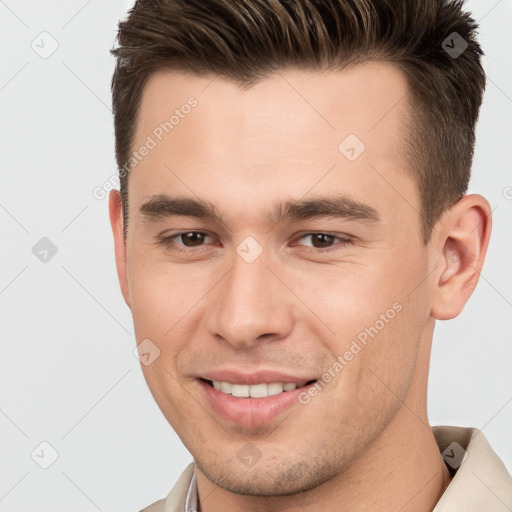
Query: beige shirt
column 480, row 481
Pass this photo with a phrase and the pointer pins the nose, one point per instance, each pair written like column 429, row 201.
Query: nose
column 251, row 305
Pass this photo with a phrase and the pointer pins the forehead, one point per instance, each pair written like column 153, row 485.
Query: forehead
column 282, row 134
column 356, row 98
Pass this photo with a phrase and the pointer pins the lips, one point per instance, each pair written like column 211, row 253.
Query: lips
column 247, row 410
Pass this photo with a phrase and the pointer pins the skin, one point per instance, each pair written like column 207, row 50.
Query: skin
column 364, row 442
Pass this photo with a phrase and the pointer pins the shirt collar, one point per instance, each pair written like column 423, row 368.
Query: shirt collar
column 191, row 503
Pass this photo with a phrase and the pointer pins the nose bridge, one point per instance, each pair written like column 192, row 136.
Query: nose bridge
column 249, row 304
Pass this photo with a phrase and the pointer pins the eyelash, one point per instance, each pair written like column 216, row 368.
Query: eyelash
column 169, row 242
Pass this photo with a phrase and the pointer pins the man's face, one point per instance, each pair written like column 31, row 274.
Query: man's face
column 252, row 297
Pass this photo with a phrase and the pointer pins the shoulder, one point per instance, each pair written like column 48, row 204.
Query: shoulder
column 480, row 480
column 175, row 500
column 158, row 506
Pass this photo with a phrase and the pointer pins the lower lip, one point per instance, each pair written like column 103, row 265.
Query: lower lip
column 251, row 412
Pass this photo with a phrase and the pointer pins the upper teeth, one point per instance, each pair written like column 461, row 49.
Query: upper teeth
column 255, row 390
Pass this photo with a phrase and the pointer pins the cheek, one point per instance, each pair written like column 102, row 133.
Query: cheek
column 376, row 378
column 351, row 297
column 159, row 307
column 160, row 296
column 377, row 322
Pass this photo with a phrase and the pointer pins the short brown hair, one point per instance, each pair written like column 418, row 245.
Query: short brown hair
column 246, row 40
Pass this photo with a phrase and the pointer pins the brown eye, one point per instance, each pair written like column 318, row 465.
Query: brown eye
column 321, row 240
column 192, row 238
column 181, row 242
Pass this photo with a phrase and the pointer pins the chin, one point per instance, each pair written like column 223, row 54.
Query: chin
column 281, row 480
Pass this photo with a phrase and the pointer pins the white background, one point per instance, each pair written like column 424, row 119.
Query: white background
column 68, row 374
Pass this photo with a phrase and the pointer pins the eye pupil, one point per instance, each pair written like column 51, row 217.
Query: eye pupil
column 194, row 237
column 325, row 240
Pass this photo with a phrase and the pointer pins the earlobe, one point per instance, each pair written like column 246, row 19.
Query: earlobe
column 463, row 238
column 116, row 222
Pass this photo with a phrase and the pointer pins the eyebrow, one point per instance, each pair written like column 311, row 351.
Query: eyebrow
column 162, row 206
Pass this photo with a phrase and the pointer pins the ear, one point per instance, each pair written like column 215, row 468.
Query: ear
column 462, row 237
column 116, row 221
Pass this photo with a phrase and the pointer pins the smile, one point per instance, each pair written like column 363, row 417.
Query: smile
column 261, row 390
column 252, row 405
